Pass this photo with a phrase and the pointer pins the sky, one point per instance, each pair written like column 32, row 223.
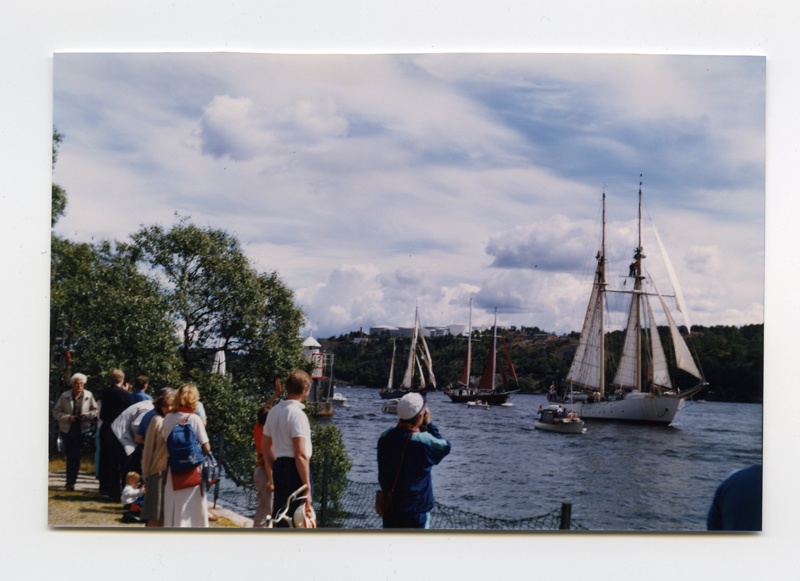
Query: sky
column 377, row 184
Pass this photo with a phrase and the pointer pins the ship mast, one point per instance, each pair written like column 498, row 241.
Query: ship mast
column 465, row 375
column 602, row 285
column 494, row 350
column 637, row 296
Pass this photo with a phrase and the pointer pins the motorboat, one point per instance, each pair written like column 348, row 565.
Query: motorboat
column 555, row 418
column 390, row 406
column 478, row 404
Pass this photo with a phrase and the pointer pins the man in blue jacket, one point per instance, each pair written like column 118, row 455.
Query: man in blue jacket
column 406, row 455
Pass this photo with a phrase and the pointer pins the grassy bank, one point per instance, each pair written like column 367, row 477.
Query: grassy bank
column 86, row 506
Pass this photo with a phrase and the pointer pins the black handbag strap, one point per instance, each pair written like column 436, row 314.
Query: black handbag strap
column 400, row 465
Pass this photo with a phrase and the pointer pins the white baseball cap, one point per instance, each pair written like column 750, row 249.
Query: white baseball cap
column 410, row 405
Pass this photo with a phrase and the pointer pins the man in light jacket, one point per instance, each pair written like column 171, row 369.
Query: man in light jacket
column 75, row 411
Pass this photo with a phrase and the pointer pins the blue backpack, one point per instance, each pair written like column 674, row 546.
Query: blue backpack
column 183, row 447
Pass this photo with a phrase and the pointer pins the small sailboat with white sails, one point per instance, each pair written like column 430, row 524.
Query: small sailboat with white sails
column 642, row 390
column 487, row 390
column 418, row 376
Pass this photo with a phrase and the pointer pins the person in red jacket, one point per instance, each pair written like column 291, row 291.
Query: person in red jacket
column 264, row 488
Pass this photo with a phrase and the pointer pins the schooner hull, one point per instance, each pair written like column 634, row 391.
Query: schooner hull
column 398, row 393
column 657, row 410
column 465, row 395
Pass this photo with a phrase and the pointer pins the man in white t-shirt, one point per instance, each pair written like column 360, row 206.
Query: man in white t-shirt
column 286, row 445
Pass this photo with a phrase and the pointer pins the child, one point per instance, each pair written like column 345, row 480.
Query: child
column 132, row 497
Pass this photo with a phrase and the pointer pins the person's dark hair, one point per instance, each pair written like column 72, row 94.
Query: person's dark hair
column 262, row 413
column 297, row 382
column 141, row 383
column 165, row 395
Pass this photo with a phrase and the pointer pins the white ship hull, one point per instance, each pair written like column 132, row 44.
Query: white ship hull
column 635, row 408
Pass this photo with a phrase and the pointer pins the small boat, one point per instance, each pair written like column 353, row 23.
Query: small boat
column 419, row 375
column 390, row 406
column 554, row 418
column 338, row 399
column 478, row 404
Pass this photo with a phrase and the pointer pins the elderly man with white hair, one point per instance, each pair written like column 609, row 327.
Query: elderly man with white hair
column 75, row 411
column 406, row 455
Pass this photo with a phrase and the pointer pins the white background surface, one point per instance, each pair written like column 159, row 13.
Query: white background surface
column 30, row 32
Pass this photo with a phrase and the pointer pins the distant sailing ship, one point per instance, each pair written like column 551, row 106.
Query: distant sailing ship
column 487, row 390
column 419, row 375
column 642, row 389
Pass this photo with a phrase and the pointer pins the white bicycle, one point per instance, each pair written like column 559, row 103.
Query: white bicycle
column 304, row 516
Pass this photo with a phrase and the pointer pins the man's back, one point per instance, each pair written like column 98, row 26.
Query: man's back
column 414, row 489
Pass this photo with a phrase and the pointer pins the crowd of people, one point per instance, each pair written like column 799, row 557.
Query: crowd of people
column 134, row 452
column 132, row 456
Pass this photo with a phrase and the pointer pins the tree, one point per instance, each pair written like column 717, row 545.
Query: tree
column 59, row 195
column 219, row 302
column 105, row 314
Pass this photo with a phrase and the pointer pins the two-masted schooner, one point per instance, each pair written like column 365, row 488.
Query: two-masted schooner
column 487, row 389
column 641, row 390
column 418, row 376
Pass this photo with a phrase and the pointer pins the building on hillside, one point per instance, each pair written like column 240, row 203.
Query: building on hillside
column 381, row 329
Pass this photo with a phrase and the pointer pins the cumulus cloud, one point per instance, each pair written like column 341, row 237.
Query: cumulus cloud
column 703, row 259
column 428, row 178
column 558, row 244
column 237, row 128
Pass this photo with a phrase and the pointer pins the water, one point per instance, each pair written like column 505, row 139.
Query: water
column 617, row 476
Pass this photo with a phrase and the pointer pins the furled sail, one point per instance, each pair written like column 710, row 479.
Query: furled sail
column 409, row 374
column 426, row 357
column 390, row 384
column 418, row 349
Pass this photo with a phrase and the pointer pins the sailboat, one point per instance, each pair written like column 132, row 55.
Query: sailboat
column 418, row 375
column 641, row 390
column 487, row 389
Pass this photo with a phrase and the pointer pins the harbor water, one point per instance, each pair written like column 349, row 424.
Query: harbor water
column 617, row 477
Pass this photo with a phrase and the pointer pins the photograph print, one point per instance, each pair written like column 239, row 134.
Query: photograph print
column 468, row 291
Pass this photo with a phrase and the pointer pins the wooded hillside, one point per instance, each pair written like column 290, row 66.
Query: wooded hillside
column 732, row 358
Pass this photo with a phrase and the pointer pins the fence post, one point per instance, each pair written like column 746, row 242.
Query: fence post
column 566, row 516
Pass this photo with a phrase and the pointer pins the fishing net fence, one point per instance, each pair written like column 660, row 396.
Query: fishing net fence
column 355, row 509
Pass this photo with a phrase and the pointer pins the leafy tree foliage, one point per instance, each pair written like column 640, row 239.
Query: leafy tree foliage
column 105, row 314
column 330, row 462
column 59, row 196
column 219, row 302
column 163, row 305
